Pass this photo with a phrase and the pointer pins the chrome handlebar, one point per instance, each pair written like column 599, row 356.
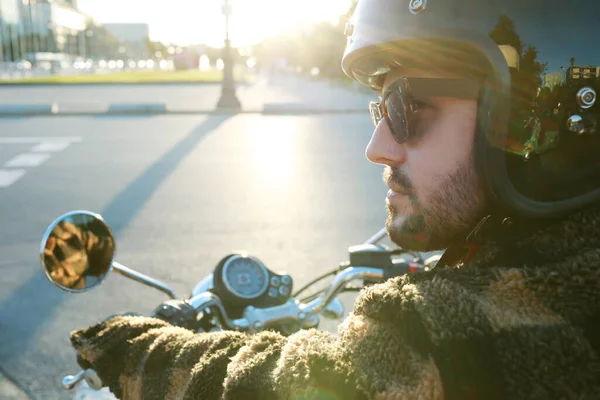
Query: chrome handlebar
column 341, row 279
column 256, row 319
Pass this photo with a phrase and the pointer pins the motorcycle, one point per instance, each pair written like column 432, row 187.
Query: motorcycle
column 77, row 254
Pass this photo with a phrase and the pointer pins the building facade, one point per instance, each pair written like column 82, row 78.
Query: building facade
column 31, row 28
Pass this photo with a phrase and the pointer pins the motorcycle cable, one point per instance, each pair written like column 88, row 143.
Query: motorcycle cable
column 317, row 294
column 344, row 265
column 320, row 278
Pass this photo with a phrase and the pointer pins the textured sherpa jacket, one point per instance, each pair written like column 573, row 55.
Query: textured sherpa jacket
column 517, row 321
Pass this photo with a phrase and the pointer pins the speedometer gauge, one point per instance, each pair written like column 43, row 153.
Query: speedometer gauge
column 245, row 276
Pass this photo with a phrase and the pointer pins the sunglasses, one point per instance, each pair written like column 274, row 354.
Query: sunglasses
column 400, row 102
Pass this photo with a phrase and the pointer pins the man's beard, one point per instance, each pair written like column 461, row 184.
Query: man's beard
column 454, row 208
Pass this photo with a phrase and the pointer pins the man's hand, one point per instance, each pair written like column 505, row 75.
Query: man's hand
column 106, row 346
column 143, row 357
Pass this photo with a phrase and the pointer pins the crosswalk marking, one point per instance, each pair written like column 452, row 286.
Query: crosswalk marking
column 27, row 160
column 50, row 147
column 42, row 150
column 8, row 177
column 27, row 140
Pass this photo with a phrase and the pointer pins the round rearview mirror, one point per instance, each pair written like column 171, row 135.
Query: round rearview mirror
column 77, row 251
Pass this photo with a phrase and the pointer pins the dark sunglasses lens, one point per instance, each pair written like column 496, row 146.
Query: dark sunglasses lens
column 397, row 116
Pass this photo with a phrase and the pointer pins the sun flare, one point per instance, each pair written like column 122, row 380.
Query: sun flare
column 187, row 22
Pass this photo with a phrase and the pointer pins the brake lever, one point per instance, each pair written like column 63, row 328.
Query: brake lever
column 89, row 375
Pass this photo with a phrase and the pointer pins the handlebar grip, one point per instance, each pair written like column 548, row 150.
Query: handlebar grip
column 177, row 312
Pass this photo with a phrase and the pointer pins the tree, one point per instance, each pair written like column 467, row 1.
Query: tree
column 527, row 79
column 530, row 64
column 345, row 18
column 154, row 47
column 101, row 43
column 505, row 32
column 320, row 45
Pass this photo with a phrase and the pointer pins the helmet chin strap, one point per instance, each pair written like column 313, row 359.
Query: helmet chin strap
column 496, row 228
column 465, row 247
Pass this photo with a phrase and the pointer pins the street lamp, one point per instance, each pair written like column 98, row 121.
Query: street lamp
column 228, row 97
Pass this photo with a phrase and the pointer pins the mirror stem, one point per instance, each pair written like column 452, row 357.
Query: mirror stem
column 141, row 278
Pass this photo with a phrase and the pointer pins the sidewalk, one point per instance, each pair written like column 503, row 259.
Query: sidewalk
column 290, row 91
column 281, row 93
column 10, row 391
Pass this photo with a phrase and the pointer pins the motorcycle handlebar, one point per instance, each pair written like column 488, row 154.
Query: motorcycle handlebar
column 255, row 319
column 293, row 310
column 341, row 279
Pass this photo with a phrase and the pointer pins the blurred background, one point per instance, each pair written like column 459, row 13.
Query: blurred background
column 67, row 37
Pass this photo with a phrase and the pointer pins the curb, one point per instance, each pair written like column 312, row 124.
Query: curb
column 149, row 109
column 28, row 109
column 10, row 390
column 132, row 108
column 308, row 111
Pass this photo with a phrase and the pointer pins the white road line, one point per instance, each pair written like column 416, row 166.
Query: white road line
column 8, row 177
column 50, row 147
column 26, row 140
column 39, row 153
column 27, row 160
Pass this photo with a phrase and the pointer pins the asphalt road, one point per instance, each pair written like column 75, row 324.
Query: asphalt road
column 180, row 192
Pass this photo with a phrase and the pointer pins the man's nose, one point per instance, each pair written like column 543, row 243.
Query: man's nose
column 383, row 148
